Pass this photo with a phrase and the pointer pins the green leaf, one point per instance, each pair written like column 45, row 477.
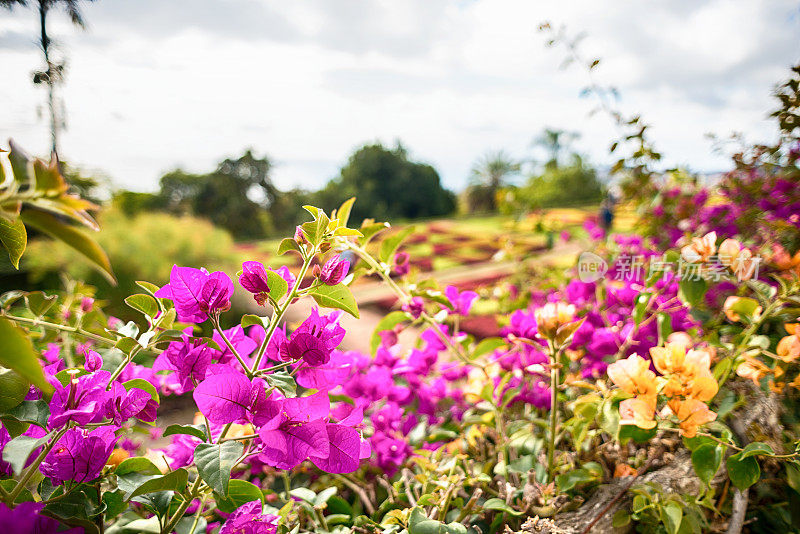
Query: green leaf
column 283, row 381
column 642, row 300
column 671, row 515
column 173, row 481
column 743, row 471
column 147, row 286
column 14, row 238
column 35, row 412
column 620, row 519
column 372, row 230
column 143, row 303
column 13, row 389
column 78, row 509
column 338, row 296
column 250, row 320
column 692, row 291
column 115, row 504
column 39, row 303
column 16, row 352
column 214, row 463
column 499, row 505
column 277, row 285
column 323, row 496
column 143, row 385
column 304, row 494
column 756, row 448
column 706, row 460
column 287, row 245
column 55, row 228
column 239, row 492
column 639, row 435
column 418, row 523
column 574, row 478
column 343, row 213
column 18, row 450
column 390, row 245
column 490, row 344
column 198, row 431
column 388, row 322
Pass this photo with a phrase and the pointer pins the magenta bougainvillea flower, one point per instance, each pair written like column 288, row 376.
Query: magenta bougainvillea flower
column 415, row 307
column 254, row 279
column 302, row 431
column 461, row 301
column 334, row 270
column 78, row 455
column 25, row 519
column 188, row 358
column 92, row 361
column 82, row 400
column 287, row 275
column 250, row 519
column 123, row 404
column 228, row 396
column 315, row 339
column 401, row 264
column 196, row 293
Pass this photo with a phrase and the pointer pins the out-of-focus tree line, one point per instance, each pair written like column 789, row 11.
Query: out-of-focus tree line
column 240, row 196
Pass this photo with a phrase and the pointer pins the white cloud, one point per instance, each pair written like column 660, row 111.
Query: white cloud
column 157, row 84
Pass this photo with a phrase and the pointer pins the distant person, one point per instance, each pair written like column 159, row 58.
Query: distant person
column 607, row 215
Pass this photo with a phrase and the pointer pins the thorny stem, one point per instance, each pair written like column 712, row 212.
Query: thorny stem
column 60, row 327
column 278, row 315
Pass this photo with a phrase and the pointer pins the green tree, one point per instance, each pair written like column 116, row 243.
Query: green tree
column 236, row 196
column 555, row 142
column 568, row 185
column 53, row 73
column 489, row 174
column 388, row 186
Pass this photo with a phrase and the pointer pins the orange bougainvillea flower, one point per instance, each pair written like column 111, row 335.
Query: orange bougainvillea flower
column 792, row 328
column 624, row 470
column 700, row 249
column 633, row 375
column 680, row 338
column 639, row 411
column 730, row 309
column 688, row 373
column 691, row 414
column 783, row 260
column 117, row 456
column 552, row 316
column 752, row 369
column 788, row 349
column 728, row 251
column 745, row 264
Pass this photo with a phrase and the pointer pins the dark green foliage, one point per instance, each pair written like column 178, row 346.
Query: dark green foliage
column 569, row 185
column 388, row 186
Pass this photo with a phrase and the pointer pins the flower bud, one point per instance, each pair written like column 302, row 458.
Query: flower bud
column 552, row 316
column 334, row 270
column 254, row 277
column 299, row 236
column 86, row 304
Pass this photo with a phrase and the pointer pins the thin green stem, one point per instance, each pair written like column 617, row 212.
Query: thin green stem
column 276, row 319
column 218, row 328
column 170, row 526
column 198, row 514
column 60, row 327
column 34, row 466
column 554, row 378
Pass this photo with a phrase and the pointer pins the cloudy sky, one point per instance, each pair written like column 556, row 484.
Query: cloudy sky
column 155, row 84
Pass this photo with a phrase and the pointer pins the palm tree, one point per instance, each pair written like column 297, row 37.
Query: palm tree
column 492, row 171
column 555, row 142
column 54, row 70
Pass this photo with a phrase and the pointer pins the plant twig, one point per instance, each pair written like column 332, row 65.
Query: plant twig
column 613, row 501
